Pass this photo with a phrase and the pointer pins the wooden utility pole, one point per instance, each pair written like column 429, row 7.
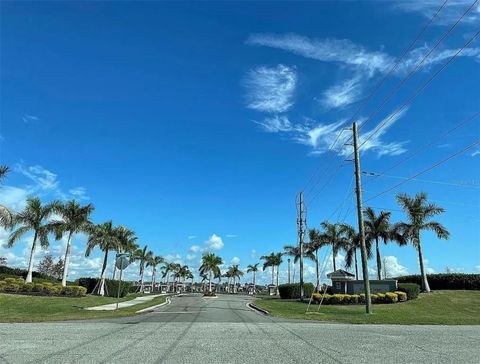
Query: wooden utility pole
column 363, row 250
column 300, row 222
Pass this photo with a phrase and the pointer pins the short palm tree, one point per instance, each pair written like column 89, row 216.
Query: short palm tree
column 419, row 213
column 105, row 237
column 317, row 241
column 277, row 260
column 154, row 262
column 211, row 266
column 294, row 251
column 351, row 245
column 253, row 268
column 168, row 269
column 377, row 227
column 333, row 235
column 6, row 217
column 74, row 219
column 143, row 256
column 269, row 261
column 33, row 218
column 235, row 272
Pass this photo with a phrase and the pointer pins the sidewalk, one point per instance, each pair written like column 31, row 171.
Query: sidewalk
column 135, row 301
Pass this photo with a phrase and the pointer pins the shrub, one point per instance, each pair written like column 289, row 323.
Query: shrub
column 2, row 285
column 380, row 297
column 391, row 297
column 354, row 298
column 17, row 272
column 26, row 287
column 289, row 291
column 37, row 287
column 73, row 291
column 446, row 280
column 11, row 287
column 411, row 289
column 10, row 280
column 374, row 298
column 361, row 298
column 402, row 296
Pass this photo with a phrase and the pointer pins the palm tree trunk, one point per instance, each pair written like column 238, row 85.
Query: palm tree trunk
column 101, row 289
column 153, row 278
column 66, row 260
column 278, row 269
column 115, row 267
column 30, row 263
column 273, row 274
column 210, row 282
column 141, row 278
column 379, row 260
column 254, row 284
column 334, row 262
column 425, row 286
column 356, row 265
column 317, row 288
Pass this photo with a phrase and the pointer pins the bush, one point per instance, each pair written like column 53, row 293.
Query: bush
column 446, row 280
column 374, row 298
column 361, row 298
column 73, row 291
column 26, row 287
column 402, row 296
column 110, row 285
column 354, row 298
column 411, row 289
column 10, row 280
column 289, row 291
column 2, row 285
column 17, row 272
column 11, row 288
column 37, row 287
column 391, row 297
column 380, row 297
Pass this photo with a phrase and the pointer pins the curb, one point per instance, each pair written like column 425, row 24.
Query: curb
column 150, row 309
column 256, row 308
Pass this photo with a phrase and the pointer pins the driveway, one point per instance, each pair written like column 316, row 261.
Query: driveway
column 193, row 329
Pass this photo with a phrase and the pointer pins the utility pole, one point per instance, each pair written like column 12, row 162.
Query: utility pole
column 288, row 270
column 358, row 190
column 300, row 225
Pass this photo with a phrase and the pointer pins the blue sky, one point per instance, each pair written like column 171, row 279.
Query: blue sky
column 196, row 124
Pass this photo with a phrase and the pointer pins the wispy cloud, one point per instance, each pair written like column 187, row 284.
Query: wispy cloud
column 474, row 154
column 29, row 118
column 79, row 193
column 270, row 89
column 451, row 12
column 276, row 124
column 343, row 94
column 231, row 236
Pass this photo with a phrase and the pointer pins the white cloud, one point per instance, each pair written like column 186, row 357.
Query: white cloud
column 214, row 242
column 474, row 154
column 231, row 236
column 195, row 249
column 29, row 118
column 79, row 193
column 276, row 124
column 235, row 261
column 271, row 89
column 190, row 237
column 191, row 257
column 173, row 258
column 14, row 197
column 43, row 178
column 343, row 94
column 253, row 254
column 393, row 267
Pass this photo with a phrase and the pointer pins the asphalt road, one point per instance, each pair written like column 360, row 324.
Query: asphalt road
column 224, row 330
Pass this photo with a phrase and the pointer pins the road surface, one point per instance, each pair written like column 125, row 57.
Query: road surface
column 223, row 330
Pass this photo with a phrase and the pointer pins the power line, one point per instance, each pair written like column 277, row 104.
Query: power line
column 380, row 84
column 419, row 89
column 426, row 170
column 373, row 174
column 418, row 66
column 428, row 145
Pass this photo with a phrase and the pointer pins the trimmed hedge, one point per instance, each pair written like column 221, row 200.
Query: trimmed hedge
column 16, row 285
column 446, row 281
column 411, row 289
column 347, row 299
column 6, row 272
column 290, row 291
column 111, row 286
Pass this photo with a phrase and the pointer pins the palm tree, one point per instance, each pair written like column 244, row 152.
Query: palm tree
column 277, row 260
column 333, row 236
column 269, row 262
column 143, row 256
column 317, row 241
column 181, row 273
column 235, row 272
column 294, row 251
column 105, row 237
column 253, row 268
column 126, row 243
column 74, row 219
column 6, row 217
column 154, row 261
column 34, row 218
column 377, row 227
column 166, row 270
column 211, row 266
column 419, row 213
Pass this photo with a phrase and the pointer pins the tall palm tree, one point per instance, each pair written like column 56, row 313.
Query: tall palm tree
column 351, row 245
column 143, row 256
column 181, row 274
column 105, row 237
column 419, row 213
column 34, row 218
column 377, row 227
column 253, row 268
column 228, row 275
column 211, row 267
column 168, row 269
column 74, row 219
column 154, row 262
column 277, row 260
column 126, row 244
column 6, row 217
column 317, row 241
column 294, row 251
column 269, row 261
column 235, row 272
column 333, row 235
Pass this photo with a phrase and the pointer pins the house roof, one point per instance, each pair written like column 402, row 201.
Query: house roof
column 340, row 273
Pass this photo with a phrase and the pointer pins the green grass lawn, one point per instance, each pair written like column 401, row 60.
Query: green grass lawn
column 440, row 307
column 23, row 308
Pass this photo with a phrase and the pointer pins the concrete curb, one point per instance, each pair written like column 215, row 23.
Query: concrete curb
column 149, row 309
column 256, row 308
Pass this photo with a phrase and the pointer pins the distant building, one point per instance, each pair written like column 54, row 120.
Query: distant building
column 344, row 282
